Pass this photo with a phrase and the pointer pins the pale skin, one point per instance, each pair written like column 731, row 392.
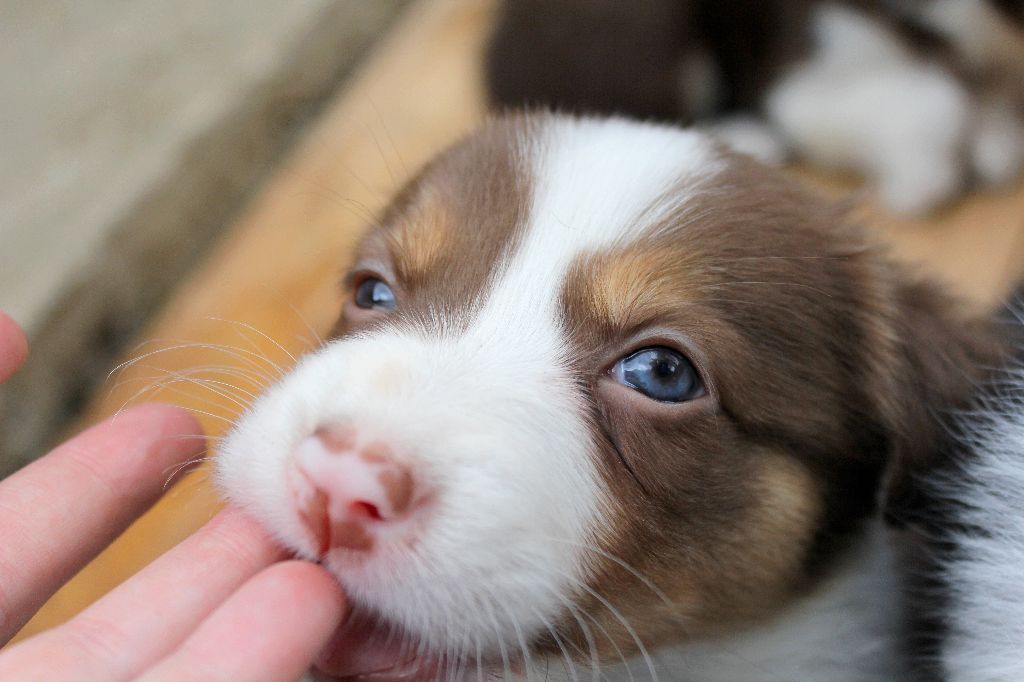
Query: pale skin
column 223, row 605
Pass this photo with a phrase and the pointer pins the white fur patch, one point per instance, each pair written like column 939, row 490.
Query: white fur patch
column 986, row 609
column 598, row 183
column 484, row 409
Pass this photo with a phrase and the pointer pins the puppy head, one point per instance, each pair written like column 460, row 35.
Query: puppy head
column 596, row 372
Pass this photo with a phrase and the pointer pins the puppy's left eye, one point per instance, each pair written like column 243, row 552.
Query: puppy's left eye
column 374, row 293
column 659, row 373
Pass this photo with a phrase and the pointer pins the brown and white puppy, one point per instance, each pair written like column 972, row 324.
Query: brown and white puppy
column 602, row 391
column 924, row 97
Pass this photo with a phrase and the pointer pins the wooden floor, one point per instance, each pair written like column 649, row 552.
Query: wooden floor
column 275, row 274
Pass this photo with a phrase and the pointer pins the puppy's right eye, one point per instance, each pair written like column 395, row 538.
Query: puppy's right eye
column 660, row 373
column 374, row 294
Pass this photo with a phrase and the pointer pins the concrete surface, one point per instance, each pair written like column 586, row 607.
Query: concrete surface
column 130, row 133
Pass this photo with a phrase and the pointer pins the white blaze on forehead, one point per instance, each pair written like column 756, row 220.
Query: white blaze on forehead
column 597, row 183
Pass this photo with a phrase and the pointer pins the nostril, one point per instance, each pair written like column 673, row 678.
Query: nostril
column 366, row 510
column 348, row 494
column 312, row 508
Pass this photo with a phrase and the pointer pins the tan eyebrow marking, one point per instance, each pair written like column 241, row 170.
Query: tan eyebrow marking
column 419, row 239
column 625, row 286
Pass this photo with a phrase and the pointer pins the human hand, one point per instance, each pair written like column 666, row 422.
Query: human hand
column 222, row 605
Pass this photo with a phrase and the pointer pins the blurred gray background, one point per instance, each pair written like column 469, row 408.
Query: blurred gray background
column 131, row 131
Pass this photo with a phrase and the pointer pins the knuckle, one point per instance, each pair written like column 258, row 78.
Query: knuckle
column 98, row 639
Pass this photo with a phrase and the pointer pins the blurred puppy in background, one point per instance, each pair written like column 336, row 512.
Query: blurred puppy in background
column 924, row 97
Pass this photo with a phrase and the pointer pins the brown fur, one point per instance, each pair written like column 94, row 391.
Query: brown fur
column 442, row 237
column 350, row 535
column 588, row 55
column 826, row 365
column 398, row 486
column 609, row 56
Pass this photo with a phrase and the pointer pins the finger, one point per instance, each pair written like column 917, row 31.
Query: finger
column 13, row 346
column 271, row 629
column 147, row 617
column 60, row 511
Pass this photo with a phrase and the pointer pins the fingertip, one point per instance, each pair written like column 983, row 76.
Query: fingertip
column 311, row 579
column 318, row 595
column 176, row 431
column 172, row 416
column 274, row 625
column 140, row 449
column 13, row 346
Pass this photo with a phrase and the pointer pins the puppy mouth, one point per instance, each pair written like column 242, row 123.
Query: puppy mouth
column 368, row 648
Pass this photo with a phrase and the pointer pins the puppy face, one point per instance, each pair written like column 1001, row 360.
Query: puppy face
column 597, row 386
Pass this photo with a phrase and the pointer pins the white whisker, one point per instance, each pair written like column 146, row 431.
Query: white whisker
column 630, row 630
column 241, row 354
column 567, row 659
column 624, row 565
column 182, row 466
column 250, row 327
column 527, row 660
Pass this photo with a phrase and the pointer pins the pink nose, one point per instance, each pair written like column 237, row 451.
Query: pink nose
column 349, row 496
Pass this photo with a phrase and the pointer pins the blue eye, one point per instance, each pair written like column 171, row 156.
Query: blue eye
column 374, row 293
column 659, row 373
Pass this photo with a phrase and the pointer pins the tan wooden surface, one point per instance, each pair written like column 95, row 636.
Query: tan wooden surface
column 277, row 269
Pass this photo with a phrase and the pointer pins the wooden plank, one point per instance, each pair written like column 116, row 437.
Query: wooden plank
column 276, row 272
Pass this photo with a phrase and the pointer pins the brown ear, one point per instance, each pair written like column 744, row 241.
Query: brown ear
column 940, row 358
